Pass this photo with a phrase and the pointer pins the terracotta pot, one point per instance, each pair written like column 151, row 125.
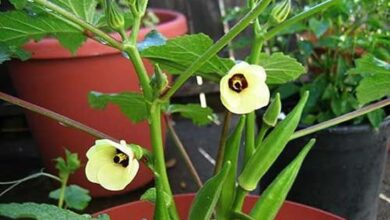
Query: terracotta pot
column 144, row 210
column 59, row 81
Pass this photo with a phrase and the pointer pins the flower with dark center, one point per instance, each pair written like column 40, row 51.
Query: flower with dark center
column 243, row 89
column 111, row 164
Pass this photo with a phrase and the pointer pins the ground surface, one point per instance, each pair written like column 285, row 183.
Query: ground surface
column 18, row 158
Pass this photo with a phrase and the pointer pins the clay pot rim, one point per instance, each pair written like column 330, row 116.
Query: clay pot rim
column 50, row 48
column 180, row 196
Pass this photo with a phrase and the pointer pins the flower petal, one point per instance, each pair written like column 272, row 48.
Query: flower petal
column 114, row 177
column 132, row 169
column 99, row 144
column 100, row 158
column 254, row 96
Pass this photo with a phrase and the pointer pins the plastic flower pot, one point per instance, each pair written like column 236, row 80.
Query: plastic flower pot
column 144, row 210
column 342, row 173
column 60, row 81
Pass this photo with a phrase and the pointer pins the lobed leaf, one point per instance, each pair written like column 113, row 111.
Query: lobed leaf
column 41, row 212
column 376, row 79
column 75, row 197
column 280, row 68
column 179, row 53
column 133, row 105
column 198, row 114
column 17, row 27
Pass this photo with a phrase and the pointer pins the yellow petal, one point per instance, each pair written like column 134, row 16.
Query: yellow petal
column 113, row 177
column 255, row 96
column 132, row 169
column 100, row 158
column 99, row 144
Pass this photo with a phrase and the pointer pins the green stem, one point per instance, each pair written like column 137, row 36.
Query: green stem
column 158, row 151
column 221, row 43
column 250, row 135
column 139, row 66
column 55, row 116
column 239, row 199
column 222, row 141
column 64, row 181
column 257, row 43
column 103, row 36
column 341, row 119
column 260, row 137
column 307, row 13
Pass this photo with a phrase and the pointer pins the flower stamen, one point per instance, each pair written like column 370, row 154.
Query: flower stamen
column 121, row 158
column 238, row 82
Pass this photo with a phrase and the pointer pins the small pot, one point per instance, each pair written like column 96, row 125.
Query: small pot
column 142, row 210
column 55, row 79
column 343, row 172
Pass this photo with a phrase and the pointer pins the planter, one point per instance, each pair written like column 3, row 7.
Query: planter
column 144, row 210
column 59, row 81
column 342, row 173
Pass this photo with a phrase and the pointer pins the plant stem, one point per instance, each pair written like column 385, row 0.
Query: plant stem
column 184, row 154
column 71, row 17
column 64, row 181
column 32, row 176
column 260, row 136
column 341, row 119
column 271, row 33
column 139, row 66
column 250, row 135
column 221, row 43
column 55, row 116
column 239, row 199
column 158, row 152
column 222, row 141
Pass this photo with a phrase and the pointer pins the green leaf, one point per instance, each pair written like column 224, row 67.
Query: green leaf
column 150, row 196
column 133, row 105
column 153, row 38
column 376, row 79
column 75, row 197
column 198, row 114
column 318, row 27
column 17, row 27
column 4, row 54
column 40, row 212
column 280, row 68
column 8, row 51
column 68, row 165
column 267, row 207
column 207, row 197
column 18, row 4
column 376, row 117
column 179, row 53
column 84, row 9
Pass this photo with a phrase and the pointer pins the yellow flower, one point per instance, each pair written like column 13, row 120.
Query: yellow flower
column 243, row 89
column 111, row 164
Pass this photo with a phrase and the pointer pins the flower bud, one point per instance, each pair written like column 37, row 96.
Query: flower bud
column 280, row 11
column 159, row 81
column 271, row 115
column 115, row 19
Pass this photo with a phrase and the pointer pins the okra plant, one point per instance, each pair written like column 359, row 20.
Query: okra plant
column 244, row 88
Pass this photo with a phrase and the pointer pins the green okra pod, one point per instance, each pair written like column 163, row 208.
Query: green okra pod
column 267, row 207
column 271, row 148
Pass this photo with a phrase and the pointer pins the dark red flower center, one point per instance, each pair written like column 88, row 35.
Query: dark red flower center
column 238, row 82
